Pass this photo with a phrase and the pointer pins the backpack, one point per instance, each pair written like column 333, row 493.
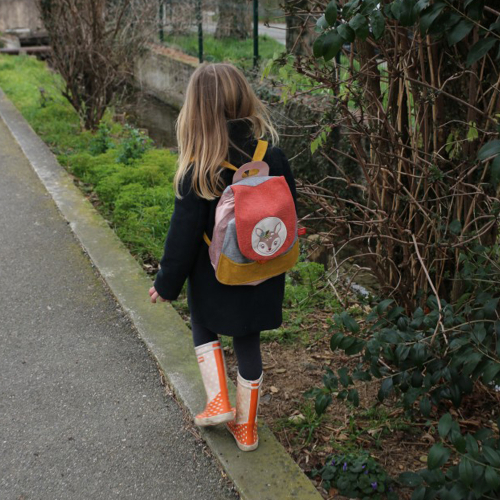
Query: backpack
column 255, row 234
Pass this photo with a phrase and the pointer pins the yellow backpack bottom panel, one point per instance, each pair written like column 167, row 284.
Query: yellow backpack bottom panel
column 232, row 273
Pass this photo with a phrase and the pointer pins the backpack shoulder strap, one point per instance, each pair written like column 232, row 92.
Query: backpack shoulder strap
column 260, row 151
column 226, row 164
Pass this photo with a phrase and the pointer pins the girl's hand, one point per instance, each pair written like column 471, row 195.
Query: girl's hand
column 155, row 295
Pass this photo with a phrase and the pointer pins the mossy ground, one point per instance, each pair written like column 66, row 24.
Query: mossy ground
column 136, row 198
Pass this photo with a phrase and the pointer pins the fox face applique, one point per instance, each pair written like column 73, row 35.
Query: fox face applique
column 268, row 236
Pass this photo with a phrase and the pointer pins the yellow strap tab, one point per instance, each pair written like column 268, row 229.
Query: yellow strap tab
column 207, row 239
column 260, row 151
column 228, row 165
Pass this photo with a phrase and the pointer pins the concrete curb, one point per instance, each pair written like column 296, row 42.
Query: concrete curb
column 269, row 473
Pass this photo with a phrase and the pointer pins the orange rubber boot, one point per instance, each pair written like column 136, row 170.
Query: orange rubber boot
column 244, row 426
column 213, row 372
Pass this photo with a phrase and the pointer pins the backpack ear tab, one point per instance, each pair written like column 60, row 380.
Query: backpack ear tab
column 254, row 168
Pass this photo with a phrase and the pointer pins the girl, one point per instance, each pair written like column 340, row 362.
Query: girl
column 221, row 120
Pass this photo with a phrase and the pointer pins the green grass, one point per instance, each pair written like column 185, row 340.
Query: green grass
column 239, row 52
column 137, row 197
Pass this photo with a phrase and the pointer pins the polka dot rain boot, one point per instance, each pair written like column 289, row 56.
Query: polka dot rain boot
column 213, row 372
column 244, row 427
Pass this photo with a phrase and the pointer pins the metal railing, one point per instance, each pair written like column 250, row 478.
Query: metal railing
column 206, row 28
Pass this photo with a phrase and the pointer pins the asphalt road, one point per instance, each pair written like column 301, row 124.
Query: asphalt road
column 83, row 414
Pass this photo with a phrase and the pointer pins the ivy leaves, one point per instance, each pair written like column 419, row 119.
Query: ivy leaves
column 359, row 20
column 404, row 352
column 476, row 475
column 491, row 150
column 341, row 25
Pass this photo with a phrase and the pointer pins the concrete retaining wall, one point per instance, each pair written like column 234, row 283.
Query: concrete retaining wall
column 164, row 73
column 19, row 14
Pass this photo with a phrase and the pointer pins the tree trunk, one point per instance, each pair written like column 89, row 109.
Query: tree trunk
column 234, row 19
column 299, row 30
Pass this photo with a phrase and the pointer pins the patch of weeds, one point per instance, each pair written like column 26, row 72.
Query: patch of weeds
column 132, row 181
column 226, row 341
column 356, row 475
column 133, row 146
column 306, row 292
column 378, row 417
column 305, row 423
column 373, row 423
column 101, row 141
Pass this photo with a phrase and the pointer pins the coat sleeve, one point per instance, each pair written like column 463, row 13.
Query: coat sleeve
column 183, row 242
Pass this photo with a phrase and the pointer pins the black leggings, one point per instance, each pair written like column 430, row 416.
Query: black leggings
column 247, row 350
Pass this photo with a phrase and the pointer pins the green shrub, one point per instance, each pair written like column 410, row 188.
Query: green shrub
column 429, row 360
column 133, row 146
column 101, row 141
column 140, row 197
column 142, row 217
column 476, row 475
column 132, row 180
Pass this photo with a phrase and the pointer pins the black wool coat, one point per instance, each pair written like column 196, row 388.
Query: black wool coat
column 224, row 309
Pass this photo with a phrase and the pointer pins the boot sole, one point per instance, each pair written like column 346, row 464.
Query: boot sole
column 244, row 447
column 215, row 420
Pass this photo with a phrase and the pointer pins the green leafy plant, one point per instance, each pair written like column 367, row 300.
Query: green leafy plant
column 305, row 285
column 432, row 356
column 134, row 145
column 430, row 360
column 101, row 141
column 356, row 476
column 305, row 423
column 448, row 20
column 475, row 476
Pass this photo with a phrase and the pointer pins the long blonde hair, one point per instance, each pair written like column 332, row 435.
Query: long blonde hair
column 216, row 93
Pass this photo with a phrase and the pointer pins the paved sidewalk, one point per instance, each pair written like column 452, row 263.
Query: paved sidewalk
column 82, row 412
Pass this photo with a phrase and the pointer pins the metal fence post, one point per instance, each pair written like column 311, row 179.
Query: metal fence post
column 199, row 17
column 255, row 33
column 161, row 14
